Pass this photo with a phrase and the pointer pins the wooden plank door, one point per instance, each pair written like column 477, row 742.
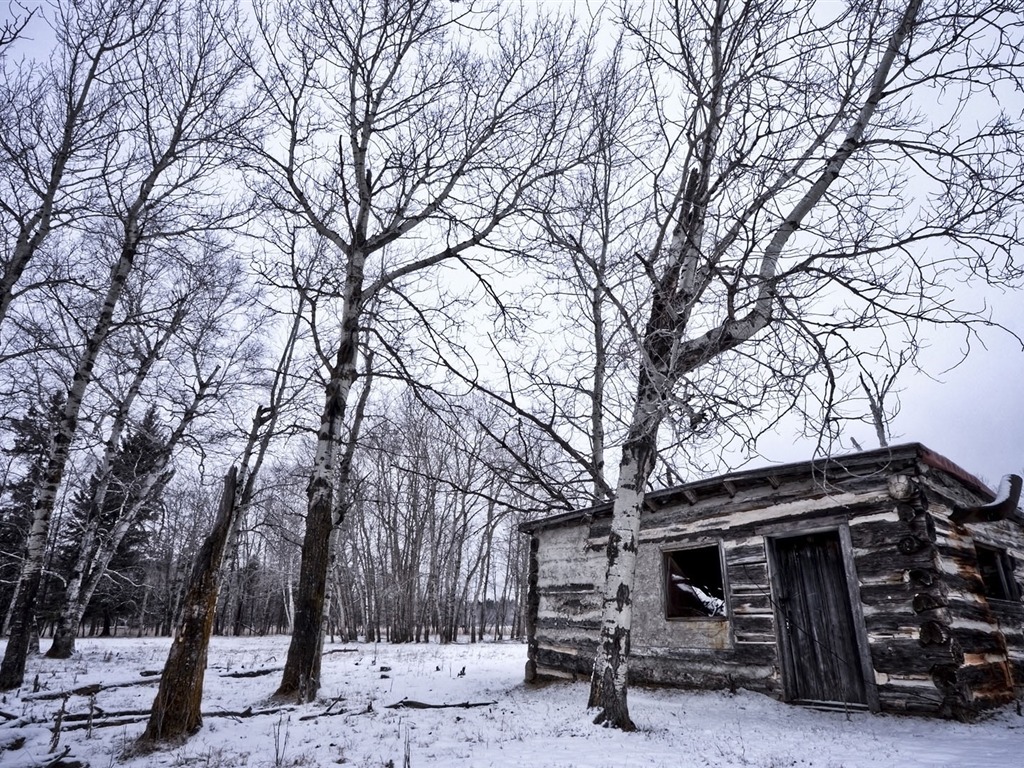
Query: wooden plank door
column 818, row 638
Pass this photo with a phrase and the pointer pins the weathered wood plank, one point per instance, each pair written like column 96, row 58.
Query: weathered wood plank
column 571, row 588
column 878, row 538
column 748, row 639
column 744, row 517
column 744, row 554
column 753, row 604
column 548, row 623
column 763, row 624
column 906, row 656
column 747, row 574
column 888, row 563
column 897, row 598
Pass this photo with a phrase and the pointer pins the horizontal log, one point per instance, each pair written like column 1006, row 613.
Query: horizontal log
column 897, row 598
column 980, row 642
column 754, row 624
column 751, row 605
column 747, row 554
column 887, row 564
column 879, row 536
column 573, row 664
column 747, row 575
column 906, row 656
column 754, row 638
column 573, row 587
column 567, row 622
column 914, row 698
column 650, row 670
column 755, row 656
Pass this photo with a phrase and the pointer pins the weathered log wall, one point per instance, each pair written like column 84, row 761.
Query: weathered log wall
column 568, row 606
column 935, row 644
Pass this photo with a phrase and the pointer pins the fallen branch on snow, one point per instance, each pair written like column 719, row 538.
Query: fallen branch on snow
column 253, row 672
column 115, row 719
column 85, row 690
column 411, row 704
column 270, row 670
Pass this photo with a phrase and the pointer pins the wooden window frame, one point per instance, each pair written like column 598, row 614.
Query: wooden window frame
column 666, row 555
column 1004, row 571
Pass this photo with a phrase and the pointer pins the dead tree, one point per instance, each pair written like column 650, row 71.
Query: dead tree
column 176, row 709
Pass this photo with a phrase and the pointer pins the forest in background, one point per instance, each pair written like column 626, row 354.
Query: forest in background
column 428, row 551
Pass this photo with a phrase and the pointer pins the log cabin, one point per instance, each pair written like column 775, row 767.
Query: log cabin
column 887, row 580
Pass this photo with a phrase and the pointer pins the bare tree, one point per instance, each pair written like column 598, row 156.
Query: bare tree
column 57, row 121
column 13, row 26
column 432, row 505
column 198, row 330
column 402, row 144
column 180, row 119
column 591, row 224
column 785, row 225
column 882, row 396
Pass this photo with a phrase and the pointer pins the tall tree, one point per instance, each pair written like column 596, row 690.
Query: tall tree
column 402, row 143
column 176, row 710
column 791, row 137
column 181, row 118
column 31, row 436
column 58, row 119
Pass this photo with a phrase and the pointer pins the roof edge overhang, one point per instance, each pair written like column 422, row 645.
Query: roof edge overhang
column 850, row 463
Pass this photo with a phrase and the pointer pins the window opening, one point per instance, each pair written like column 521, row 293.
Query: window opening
column 996, row 568
column 694, row 587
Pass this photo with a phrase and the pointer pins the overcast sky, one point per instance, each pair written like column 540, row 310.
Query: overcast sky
column 973, row 415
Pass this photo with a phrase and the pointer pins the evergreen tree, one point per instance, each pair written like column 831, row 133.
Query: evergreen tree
column 97, row 512
column 26, row 457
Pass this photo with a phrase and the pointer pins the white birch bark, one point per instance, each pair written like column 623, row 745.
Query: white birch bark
column 13, row 668
column 188, row 125
column 85, row 561
column 97, row 550
column 668, row 356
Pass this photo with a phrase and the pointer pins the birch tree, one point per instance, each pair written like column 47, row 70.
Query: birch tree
column 823, row 173
column 180, row 118
column 193, row 341
column 405, row 135
column 58, row 119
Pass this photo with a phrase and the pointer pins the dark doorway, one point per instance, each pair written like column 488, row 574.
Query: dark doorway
column 820, row 664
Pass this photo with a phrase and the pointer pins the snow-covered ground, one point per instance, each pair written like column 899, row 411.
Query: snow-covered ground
column 524, row 726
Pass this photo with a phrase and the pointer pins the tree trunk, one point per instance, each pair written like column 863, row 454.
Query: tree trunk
column 66, row 628
column 668, row 356
column 301, row 677
column 12, row 670
column 97, row 551
column 176, row 709
column 10, row 608
column 609, row 682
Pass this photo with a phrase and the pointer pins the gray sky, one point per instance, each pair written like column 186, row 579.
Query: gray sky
column 973, row 414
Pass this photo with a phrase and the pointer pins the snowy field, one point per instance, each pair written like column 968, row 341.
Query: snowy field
column 524, row 726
